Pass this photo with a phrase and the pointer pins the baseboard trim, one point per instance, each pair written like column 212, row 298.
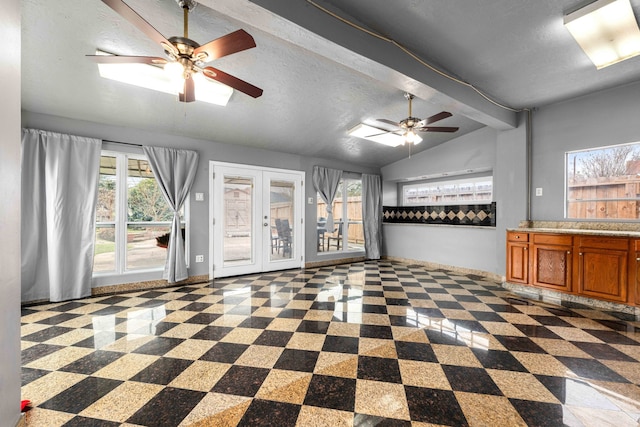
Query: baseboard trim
column 22, row 421
column 316, row 264
column 144, row 286
column 459, row 270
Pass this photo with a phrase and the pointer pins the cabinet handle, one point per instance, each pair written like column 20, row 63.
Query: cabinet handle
column 528, row 248
column 637, row 259
column 569, row 253
column 517, row 237
column 580, row 254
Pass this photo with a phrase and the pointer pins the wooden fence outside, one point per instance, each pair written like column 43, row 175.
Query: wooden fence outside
column 594, row 198
column 354, row 213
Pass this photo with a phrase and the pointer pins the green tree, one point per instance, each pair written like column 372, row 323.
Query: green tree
column 146, row 202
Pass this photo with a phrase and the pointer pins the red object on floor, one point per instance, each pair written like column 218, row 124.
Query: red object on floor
column 24, row 404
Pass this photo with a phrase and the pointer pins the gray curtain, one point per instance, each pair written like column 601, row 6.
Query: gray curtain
column 174, row 170
column 372, row 215
column 326, row 182
column 59, row 194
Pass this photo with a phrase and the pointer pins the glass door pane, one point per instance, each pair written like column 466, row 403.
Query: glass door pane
column 238, row 220
column 282, row 214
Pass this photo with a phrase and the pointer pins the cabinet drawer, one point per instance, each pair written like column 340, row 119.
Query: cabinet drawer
column 600, row 242
column 514, row 236
column 553, row 239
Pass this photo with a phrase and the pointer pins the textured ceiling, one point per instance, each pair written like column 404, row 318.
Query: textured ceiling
column 314, row 90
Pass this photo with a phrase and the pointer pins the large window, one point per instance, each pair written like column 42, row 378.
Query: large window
column 132, row 218
column 603, row 183
column 347, row 233
column 462, row 191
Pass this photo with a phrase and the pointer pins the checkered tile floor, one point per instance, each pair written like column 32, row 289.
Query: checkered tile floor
column 365, row 344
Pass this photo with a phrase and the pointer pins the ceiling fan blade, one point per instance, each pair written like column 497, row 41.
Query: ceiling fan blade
column 132, row 16
column 226, row 45
column 121, row 59
column 436, row 129
column 189, row 93
column 435, row 118
column 231, row 81
column 389, row 122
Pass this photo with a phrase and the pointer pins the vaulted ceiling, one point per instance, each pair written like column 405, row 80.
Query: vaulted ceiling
column 320, row 76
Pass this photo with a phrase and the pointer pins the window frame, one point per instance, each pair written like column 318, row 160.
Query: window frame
column 453, row 182
column 344, row 182
column 567, row 181
column 122, row 222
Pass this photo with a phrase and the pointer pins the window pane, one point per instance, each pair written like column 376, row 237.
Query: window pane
column 604, row 183
column 238, row 220
column 145, row 200
column 106, row 206
column 355, row 232
column 104, row 258
column 143, row 250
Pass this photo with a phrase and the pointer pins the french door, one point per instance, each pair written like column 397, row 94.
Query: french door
column 257, row 219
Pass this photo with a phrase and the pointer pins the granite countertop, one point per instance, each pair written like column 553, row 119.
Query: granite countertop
column 618, row 229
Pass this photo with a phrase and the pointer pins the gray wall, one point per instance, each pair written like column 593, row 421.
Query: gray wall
column 478, row 248
column 599, row 119
column 208, row 150
column 10, row 213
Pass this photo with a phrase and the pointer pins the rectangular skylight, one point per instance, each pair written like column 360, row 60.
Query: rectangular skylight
column 606, row 30
column 371, row 133
column 154, row 78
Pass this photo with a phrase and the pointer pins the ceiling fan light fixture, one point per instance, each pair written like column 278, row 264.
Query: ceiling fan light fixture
column 606, row 30
column 158, row 79
column 174, row 70
column 411, row 137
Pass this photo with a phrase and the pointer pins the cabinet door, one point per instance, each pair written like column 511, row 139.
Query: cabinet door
column 602, row 273
column 552, row 267
column 518, row 262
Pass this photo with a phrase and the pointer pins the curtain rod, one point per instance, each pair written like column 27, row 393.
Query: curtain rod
column 123, row 143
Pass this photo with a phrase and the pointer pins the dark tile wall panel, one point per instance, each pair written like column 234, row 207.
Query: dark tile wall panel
column 483, row 215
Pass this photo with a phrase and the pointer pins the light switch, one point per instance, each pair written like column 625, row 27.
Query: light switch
column 310, row 200
column 199, row 197
column 539, row 191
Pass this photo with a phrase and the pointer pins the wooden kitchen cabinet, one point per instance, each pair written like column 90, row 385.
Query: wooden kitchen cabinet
column 552, row 261
column 603, row 267
column 518, row 257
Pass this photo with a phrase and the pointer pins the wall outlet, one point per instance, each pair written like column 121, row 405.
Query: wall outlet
column 199, row 197
column 199, row 258
column 310, row 200
column 539, row 191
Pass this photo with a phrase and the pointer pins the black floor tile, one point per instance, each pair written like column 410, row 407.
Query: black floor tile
column 167, row 408
column 269, row 413
column 379, row 369
column 496, row 359
column 162, row 371
column 273, row 338
column 57, row 319
column 292, row 313
column 72, row 305
column 47, row 334
column 433, row 406
column 224, row 352
column 116, row 299
column 331, row 392
column 37, row 351
column 591, row 368
column 376, row 331
column 469, row 325
column 159, row 346
column 203, row 318
column 537, row 331
column 297, row 360
column 612, row 337
column 212, row 333
column 340, row 344
column 29, row 374
column 152, row 294
column 107, row 311
column 444, row 337
column 89, row 422
column 603, row 351
column 313, row 327
column 519, row 344
column 539, row 413
column 92, row 362
column 471, row 380
column 374, row 309
column 196, row 306
column 551, row 321
column 415, row 351
column 364, row 420
column 256, row 322
column 449, row 305
column 556, row 385
column 487, row 316
column 79, row 396
column 100, row 339
column 241, row 381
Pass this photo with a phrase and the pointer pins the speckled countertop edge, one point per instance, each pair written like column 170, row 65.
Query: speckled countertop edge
column 620, row 229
